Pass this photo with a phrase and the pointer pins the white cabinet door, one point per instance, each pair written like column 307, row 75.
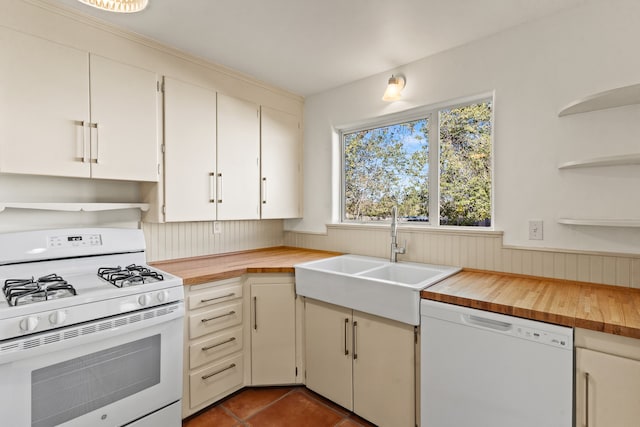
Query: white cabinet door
column 124, row 106
column 383, row 370
column 44, row 99
column 238, row 177
column 190, row 152
column 328, row 351
column 273, row 334
column 613, row 393
column 280, row 148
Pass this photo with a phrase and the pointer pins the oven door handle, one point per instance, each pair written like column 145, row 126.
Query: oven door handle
column 79, row 335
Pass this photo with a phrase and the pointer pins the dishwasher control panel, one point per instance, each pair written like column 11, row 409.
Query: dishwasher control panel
column 543, row 337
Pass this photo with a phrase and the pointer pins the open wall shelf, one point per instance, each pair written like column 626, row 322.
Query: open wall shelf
column 621, row 160
column 73, row 207
column 627, row 95
column 602, row 222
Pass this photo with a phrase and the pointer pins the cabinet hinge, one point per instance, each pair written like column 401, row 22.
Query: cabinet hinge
column 296, row 371
column 158, row 169
column 162, row 147
column 164, row 209
column 160, row 86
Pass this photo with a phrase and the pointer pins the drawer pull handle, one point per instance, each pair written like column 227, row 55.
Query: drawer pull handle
column 209, row 347
column 232, row 294
column 231, row 313
column 206, row 377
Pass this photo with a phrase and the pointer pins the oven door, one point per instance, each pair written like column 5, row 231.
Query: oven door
column 110, row 372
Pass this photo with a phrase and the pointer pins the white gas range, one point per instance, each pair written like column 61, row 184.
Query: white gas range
column 89, row 334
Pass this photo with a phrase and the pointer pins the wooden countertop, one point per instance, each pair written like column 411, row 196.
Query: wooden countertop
column 194, row 271
column 611, row 309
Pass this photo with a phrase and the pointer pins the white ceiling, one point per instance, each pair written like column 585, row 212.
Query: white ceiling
column 308, row 46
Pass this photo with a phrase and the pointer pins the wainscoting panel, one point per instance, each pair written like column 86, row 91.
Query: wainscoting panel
column 189, row 239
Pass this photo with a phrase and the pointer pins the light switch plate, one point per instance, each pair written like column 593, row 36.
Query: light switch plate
column 217, row 228
column 535, row 229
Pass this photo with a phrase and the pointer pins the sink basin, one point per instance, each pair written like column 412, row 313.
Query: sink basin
column 372, row 285
column 402, row 274
column 346, row 264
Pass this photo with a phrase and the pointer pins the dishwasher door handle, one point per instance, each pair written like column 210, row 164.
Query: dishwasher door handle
column 487, row 323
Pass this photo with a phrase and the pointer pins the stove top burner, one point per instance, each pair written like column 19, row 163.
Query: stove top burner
column 28, row 291
column 131, row 275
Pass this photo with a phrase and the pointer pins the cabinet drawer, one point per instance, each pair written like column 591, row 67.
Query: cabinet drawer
column 215, row 347
column 215, row 319
column 206, row 384
column 215, row 295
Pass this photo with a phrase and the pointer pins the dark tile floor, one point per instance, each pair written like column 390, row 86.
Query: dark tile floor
column 276, row 407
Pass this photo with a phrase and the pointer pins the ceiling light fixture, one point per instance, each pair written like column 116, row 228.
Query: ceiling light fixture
column 121, row 6
column 394, row 89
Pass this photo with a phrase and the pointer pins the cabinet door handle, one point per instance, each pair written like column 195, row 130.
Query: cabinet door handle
column 346, row 325
column 83, row 157
column 212, row 187
column 95, row 126
column 255, row 313
column 216, row 298
column 355, row 342
column 586, row 399
column 220, row 187
column 209, row 347
column 264, row 190
column 205, row 377
column 231, row 313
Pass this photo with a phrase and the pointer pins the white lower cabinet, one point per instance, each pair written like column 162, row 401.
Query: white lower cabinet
column 607, row 380
column 273, row 333
column 214, row 347
column 362, row 362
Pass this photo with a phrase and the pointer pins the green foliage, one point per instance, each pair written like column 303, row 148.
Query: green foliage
column 465, row 165
column 385, row 167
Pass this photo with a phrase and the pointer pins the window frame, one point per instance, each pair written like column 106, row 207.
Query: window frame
column 431, row 114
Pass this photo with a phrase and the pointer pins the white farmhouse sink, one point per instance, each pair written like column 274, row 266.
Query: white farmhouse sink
column 372, row 285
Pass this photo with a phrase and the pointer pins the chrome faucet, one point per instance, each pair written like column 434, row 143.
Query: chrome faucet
column 395, row 249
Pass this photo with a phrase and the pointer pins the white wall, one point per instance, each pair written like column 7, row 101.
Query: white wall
column 534, row 70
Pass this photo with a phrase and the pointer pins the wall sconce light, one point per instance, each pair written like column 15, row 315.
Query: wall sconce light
column 121, row 6
column 394, row 88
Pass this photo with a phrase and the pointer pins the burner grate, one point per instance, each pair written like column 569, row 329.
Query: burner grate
column 28, row 291
column 130, row 275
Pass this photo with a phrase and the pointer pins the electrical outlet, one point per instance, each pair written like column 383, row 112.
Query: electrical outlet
column 217, row 228
column 535, row 229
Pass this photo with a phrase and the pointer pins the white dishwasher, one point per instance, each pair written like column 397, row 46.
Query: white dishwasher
column 484, row 369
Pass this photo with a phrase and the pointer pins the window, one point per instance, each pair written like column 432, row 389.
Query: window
column 390, row 165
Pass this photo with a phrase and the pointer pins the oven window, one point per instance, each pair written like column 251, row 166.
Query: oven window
column 69, row 389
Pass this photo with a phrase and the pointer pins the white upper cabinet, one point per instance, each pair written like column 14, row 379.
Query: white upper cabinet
column 190, row 152
column 280, row 139
column 238, row 175
column 65, row 112
column 44, row 101
column 124, row 111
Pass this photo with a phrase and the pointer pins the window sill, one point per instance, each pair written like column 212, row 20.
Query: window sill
column 405, row 227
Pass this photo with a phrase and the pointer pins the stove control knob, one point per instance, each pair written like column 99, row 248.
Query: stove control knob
column 163, row 296
column 29, row 324
column 57, row 317
column 144, row 299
